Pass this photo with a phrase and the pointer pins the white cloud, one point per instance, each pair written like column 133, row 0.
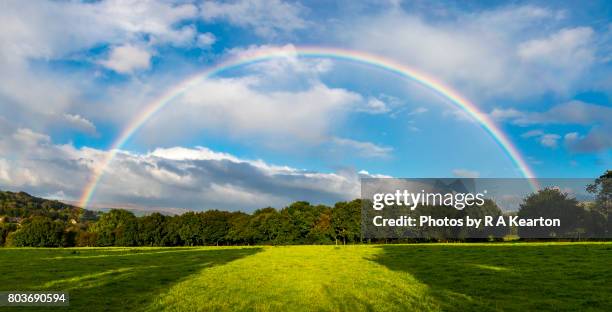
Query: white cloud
column 561, row 61
column 306, row 115
column 35, row 93
column 560, row 48
column 203, row 153
column 260, row 115
column 458, row 114
column 286, row 63
column 364, row 149
column 464, row 173
column 366, row 174
column 532, row 133
column 198, row 153
column 390, row 105
column 80, row 123
column 205, row 40
column 374, row 106
column 504, row 114
column 29, row 137
column 504, row 52
column 572, row 136
column 50, row 29
column 126, row 59
column 265, row 17
column 549, row 140
column 418, row 111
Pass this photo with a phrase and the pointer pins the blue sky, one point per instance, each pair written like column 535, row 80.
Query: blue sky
column 75, row 73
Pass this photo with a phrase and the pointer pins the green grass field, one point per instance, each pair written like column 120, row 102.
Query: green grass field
column 459, row 277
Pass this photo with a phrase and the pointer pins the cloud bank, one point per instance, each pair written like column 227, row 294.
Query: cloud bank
column 176, row 177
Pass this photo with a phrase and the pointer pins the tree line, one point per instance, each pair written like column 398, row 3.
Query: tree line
column 298, row 223
column 43, row 224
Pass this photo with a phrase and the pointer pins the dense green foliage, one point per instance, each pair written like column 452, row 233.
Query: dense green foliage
column 32, row 221
column 423, row 277
column 41, row 232
column 299, row 223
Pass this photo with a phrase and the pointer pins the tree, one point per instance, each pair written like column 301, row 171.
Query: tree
column 172, row 229
column 239, row 231
column 551, row 203
column 322, row 230
column 40, row 232
column 298, row 220
column 602, row 187
column 346, row 220
column 152, row 229
column 265, row 226
column 190, row 229
column 118, row 227
column 215, row 226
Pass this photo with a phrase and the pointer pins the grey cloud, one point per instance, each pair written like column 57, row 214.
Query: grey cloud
column 580, row 113
column 195, row 178
column 573, row 112
column 598, row 139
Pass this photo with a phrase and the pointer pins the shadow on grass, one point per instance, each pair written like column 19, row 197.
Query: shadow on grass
column 509, row 277
column 114, row 279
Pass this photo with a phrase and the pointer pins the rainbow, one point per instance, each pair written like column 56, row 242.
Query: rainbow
column 266, row 54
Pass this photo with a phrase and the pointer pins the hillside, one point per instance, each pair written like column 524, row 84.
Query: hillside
column 17, row 206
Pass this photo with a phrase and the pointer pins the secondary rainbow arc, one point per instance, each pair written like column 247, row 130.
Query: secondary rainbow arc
column 310, row 52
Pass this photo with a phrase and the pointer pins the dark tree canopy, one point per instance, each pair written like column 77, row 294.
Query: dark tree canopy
column 552, row 203
column 40, row 232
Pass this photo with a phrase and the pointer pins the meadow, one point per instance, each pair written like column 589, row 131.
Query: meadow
column 420, row 277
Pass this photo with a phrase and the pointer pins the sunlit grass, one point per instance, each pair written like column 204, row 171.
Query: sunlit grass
column 300, row 278
column 426, row 277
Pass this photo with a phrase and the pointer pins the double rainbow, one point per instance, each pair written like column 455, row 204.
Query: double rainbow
column 262, row 55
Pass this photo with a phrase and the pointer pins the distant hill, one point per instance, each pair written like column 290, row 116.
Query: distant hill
column 17, row 206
